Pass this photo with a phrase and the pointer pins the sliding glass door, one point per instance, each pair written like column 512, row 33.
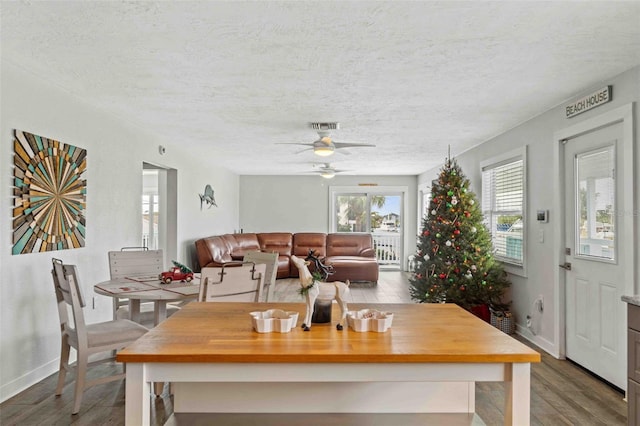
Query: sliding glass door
column 377, row 212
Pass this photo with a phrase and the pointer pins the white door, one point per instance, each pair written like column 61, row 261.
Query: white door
column 595, row 314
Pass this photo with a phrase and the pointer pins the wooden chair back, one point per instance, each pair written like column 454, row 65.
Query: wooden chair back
column 241, row 282
column 270, row 260
column 133, row 262
column 70, row 301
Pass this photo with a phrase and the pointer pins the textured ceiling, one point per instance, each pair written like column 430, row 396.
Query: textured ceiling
column 237, row 78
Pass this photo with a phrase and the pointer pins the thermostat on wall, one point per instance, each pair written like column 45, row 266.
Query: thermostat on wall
column 542, row 216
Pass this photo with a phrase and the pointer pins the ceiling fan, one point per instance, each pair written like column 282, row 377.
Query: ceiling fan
column 325, row 146
column 326, row 170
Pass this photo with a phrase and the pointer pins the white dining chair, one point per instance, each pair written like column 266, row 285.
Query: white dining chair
column 103, row 338
column 137, row 263
column 236, row 282
column 271, row 263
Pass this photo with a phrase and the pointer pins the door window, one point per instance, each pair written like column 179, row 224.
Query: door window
column 595, row 204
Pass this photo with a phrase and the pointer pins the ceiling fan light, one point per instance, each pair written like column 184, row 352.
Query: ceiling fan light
column 323, row 151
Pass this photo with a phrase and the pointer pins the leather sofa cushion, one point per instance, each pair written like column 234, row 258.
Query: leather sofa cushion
column 305, row 241
column 244, row 244
column 360, row 245
column 348, row 267
column 212, row 250
column 281, row 243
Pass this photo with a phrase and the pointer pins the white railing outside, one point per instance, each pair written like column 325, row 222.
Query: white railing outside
column 388, row 247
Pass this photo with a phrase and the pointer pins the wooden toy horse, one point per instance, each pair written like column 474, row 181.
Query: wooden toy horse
column 321, row 268
column 320, row 290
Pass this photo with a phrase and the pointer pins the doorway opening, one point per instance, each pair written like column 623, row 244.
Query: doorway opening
column 159, row 210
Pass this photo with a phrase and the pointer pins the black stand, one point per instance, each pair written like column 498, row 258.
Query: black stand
column 321, row 311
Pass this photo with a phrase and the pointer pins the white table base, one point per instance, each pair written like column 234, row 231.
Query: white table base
column 312, row 388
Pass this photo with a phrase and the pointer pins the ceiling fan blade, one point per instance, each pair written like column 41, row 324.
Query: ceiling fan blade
column 294, row 143
column 303, row 150
column 351, row 145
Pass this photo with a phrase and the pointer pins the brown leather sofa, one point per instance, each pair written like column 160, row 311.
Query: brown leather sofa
column 351, row 255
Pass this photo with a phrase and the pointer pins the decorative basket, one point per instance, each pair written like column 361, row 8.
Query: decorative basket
column 503, row 321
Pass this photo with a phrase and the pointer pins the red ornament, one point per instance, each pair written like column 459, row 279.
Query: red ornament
column 458, row 248
column 462, row 288
column 457, row 270
column 426, row 233
column 442, row 276
column 456, row 232
column 467, row 214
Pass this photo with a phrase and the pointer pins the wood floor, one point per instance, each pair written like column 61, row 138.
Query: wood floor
column 561, row 394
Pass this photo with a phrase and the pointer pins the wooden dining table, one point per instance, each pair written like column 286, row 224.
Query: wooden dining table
column 427, row 362
column 140, row 288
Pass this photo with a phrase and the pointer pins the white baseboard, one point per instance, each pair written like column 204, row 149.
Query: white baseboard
column 14, row 387
column 541, row 342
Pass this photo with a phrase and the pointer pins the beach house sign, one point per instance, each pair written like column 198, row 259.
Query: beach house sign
column 595, row 99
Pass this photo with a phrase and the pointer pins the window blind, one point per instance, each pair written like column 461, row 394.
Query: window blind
column 502, row 206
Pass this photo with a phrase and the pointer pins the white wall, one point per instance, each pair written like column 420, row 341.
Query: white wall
column 301, row 203
column 29, row 334
column 537, row 135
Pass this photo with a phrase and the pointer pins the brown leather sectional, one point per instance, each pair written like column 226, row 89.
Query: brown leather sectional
column 351, row 255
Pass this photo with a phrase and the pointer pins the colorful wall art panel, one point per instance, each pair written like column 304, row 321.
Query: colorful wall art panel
column 49, row 194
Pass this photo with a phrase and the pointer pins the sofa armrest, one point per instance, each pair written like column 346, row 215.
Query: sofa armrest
column 368, row 252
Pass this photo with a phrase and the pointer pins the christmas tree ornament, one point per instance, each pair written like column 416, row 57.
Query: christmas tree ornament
column 427, row 257
column 442, row 276
column 472, row 202
column 433, row 212
column 438, row 235
column 474, row 229
column 456, row 232
column 448, row 243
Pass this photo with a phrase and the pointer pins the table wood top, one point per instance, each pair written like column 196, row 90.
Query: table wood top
column 223, row 333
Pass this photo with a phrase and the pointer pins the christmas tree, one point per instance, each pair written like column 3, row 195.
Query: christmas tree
column 454, row 261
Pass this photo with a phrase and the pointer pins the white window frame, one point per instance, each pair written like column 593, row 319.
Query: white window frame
column 497, row 161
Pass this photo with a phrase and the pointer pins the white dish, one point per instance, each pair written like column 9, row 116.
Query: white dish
column 274, row 320
column 369, row 320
